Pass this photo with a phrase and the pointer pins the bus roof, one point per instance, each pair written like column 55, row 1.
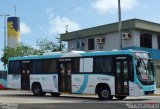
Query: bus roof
column 3, row 70
column 76, row 54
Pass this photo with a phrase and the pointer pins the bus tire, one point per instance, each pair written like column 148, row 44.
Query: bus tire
column 37, row 90
column 120, row 97
column 104, row 93
column 55, row 94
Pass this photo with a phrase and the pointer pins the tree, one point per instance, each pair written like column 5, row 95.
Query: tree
column 61, row 46
column 45, row 45
column 21, row 50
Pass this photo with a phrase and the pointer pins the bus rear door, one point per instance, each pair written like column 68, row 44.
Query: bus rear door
column 25, row 75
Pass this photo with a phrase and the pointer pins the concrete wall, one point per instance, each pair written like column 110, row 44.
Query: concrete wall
column 112, row 42
column 134, row 41
column 154, row 41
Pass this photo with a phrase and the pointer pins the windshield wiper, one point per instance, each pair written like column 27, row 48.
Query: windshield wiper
column 144, row 64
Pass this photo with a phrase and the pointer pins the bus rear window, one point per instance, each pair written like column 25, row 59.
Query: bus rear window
column 14, row 67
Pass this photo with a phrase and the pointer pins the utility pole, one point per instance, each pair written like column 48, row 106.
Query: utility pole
column 5, row 36
column 15, row 9
column 60, row 42
column 120, row 23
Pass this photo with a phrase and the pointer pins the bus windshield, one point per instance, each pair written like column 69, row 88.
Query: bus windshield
column 144, row 67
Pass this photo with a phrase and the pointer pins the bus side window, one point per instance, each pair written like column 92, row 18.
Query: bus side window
column 11, row 66
column 103, row 65
column 86, row 65
column 53, row 66
column 49, row 66
column 37, row 66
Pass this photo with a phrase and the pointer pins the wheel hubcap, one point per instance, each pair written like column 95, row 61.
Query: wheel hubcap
column 36, row 90
column 105, row 93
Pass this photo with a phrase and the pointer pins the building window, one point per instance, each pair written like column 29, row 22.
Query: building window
column 91, row 45
column 158, row 38
column 103, row 65
column 146, row 40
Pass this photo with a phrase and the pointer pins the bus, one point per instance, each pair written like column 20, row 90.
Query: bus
column 3, row 79
column 107, row 74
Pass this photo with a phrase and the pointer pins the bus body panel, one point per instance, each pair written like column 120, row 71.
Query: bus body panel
column 145, row 88
column 85, row 80
column 3, row 79
column 134, row 90
column 86, row 83
column 14, row 81
column 49, row 83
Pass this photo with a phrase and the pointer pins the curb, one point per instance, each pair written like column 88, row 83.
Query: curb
column 155, row 94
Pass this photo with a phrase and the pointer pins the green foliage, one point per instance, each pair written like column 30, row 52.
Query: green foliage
column 21, row 50
column 45, row 45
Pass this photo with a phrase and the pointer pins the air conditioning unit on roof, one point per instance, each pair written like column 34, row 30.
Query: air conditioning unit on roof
column 100, row 40
column 126, row 36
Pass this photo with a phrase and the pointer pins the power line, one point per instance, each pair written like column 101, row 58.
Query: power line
column 63, row 13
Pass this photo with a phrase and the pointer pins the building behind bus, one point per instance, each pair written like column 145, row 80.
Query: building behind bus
column 137, row 34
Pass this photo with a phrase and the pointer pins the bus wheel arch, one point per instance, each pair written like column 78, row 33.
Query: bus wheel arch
column 37, row 89
column 104, row 92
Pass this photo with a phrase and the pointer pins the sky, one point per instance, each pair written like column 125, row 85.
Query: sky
column 42, row 19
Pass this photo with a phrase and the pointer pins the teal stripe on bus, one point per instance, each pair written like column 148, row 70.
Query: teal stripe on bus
column 35, row 57
column 84, row 84
column 101, row 53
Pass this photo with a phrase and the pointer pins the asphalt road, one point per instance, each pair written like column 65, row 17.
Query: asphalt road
column 25, row 100
column 74, row 106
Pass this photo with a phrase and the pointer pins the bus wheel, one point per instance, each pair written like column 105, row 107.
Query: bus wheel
column 55, row 94
column 104, row 93
column 37, row 90
column 120, row 97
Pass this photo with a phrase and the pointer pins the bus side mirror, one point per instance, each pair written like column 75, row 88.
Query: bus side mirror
column 151, row 64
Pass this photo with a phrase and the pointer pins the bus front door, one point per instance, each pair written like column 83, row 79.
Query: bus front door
column 25, row 75
column 121, row 77
column 65, row 77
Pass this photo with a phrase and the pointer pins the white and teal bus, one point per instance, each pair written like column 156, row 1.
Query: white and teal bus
column 105, row 73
